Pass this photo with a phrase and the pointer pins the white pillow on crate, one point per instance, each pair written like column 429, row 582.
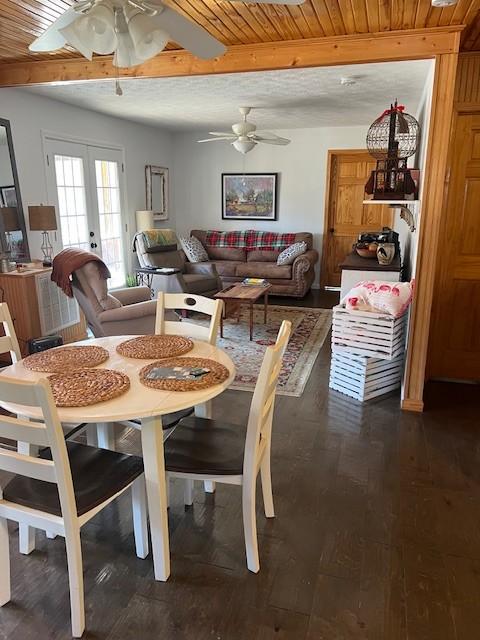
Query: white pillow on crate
column 377, row 296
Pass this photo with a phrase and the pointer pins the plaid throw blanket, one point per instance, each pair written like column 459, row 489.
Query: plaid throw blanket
column 250, row 240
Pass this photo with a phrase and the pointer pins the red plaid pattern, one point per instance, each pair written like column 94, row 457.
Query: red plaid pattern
column 250, row 240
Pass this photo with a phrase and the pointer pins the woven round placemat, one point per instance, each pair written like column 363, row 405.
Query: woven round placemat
column 217, row 374
column 66, row 359
column 147, row 347
column 88, row 386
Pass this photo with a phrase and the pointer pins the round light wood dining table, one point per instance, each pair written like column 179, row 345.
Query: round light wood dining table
column 144, row 404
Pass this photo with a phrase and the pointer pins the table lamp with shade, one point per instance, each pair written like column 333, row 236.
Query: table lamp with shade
column 42, row 218
column 144, row 220
column 10, row 223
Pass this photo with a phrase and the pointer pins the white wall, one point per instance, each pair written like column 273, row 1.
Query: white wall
column 302, row 166
column 30, row 114
column 409, row 239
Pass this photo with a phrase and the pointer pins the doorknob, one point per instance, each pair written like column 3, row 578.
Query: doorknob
column 93, row 245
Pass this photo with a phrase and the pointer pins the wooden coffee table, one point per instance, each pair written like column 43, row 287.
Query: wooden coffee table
column 237, row 294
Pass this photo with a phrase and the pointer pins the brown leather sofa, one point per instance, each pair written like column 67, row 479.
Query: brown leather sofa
column 234, row 264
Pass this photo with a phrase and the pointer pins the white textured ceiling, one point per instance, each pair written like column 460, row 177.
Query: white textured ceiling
column 287, row 99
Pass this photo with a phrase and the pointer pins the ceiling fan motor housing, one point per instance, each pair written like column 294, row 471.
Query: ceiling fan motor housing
column 243, row 128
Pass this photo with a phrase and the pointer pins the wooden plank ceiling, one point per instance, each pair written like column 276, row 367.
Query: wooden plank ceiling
column 239, row 23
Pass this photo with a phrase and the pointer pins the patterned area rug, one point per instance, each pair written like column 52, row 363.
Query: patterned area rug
column 309, row 330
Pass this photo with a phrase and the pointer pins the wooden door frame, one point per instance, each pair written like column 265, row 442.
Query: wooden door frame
column 331, row 153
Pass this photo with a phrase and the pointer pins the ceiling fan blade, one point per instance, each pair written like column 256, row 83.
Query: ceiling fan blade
column 222, row 133
column 188, row 34
column 51, row 39
column 219, row 138
column 271, row 140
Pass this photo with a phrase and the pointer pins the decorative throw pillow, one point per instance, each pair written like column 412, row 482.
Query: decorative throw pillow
column 377, row 296
column 289, row 254
column 193, row 249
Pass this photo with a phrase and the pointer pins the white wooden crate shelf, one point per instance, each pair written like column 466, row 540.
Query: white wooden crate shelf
column 369, row 334
column 362, row 377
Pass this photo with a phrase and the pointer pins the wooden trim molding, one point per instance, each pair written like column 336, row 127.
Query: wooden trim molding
column 467, row 92
column 312, row 52
column 432, row 199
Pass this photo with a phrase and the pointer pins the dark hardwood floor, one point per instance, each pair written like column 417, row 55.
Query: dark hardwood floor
column 377, row 535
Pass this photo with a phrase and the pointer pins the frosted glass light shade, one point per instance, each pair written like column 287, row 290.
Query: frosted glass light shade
column 93, row 32
column 144, row 220
column 147, row 38
column 125, row 54
column 244, row 146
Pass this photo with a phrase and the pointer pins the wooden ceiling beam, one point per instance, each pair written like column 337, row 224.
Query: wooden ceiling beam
column 314, row 52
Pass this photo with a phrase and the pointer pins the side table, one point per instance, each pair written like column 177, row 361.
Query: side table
column 144, row 276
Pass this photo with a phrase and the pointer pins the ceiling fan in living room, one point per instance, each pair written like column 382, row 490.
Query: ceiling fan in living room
column 133, row 30
column 244, row 136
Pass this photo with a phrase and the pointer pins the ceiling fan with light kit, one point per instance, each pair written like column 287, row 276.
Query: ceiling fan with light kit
column 244, row 136
column 133, row 30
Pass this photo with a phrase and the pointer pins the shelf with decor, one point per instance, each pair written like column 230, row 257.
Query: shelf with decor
column 408, row 209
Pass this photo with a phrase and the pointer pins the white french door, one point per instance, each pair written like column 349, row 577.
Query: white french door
column 85, row 183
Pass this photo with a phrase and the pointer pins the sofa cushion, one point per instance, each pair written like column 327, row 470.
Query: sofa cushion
column 193, row 249
column 226, row 267
column 263, row 256
column 198, row 283
column 264, row 270
column 175, row 259
column 226, row 253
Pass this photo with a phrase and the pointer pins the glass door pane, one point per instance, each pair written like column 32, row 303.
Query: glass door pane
column 72, row 201
column 110, row 218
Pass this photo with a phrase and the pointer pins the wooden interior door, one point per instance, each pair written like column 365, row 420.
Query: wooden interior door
column 346, row 215
column 454, row 345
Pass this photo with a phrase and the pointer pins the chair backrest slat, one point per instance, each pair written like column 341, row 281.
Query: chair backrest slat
column 57, row 470
column 27, row 466
column 22, row 431
column 188, row 302
column 263, row 401
column 9, row 341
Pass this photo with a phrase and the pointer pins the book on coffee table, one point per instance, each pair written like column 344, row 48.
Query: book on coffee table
column 255, row 282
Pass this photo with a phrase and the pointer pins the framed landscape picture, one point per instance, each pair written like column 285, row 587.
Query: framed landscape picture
column 249, row 196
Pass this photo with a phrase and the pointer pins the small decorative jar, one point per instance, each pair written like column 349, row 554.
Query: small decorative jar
column 385, row 253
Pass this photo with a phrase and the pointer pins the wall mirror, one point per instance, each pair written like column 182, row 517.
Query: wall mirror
column 13, row 234
column 156, row 180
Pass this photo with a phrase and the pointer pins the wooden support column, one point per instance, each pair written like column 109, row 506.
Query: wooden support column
column 432, row 200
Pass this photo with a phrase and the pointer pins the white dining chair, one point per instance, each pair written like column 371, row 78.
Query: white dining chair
column 199, row 304
column 9, row 342
column 203, row 449
column 61, row 489
column 188, row 302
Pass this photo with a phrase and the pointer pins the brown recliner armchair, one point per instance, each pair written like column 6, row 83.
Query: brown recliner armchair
column 200, row 278
column 128, row 311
